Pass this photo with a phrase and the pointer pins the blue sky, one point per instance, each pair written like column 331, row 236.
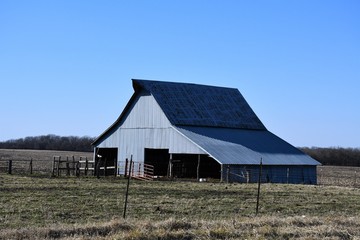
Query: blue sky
column 66, row 66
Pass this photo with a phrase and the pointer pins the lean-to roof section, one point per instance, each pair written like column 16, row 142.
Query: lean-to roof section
column 245, row 147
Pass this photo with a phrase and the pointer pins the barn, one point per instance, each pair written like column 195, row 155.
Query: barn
column 189, row 130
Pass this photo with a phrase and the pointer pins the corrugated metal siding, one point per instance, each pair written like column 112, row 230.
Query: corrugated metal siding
column 145, row 113
column 272, row 174
column 146, row 126
column 239, row 146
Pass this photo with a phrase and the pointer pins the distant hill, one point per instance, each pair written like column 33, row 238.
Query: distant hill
column 50, row 142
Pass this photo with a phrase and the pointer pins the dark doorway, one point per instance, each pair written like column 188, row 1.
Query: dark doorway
column 106, row 158
column 185, row 166
column 159, row 158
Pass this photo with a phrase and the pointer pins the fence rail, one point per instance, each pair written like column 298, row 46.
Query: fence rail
column 25, row 166
column 55, row 167
column 326, row 175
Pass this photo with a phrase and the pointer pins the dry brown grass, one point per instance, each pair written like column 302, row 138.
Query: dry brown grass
column 264, row 227
column 90, row 208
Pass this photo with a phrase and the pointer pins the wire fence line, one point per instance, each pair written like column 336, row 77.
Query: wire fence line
column 40, row 166
column 326, row 175
column 339, row 176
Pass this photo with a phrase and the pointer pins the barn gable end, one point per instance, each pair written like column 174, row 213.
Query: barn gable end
column 143, row 125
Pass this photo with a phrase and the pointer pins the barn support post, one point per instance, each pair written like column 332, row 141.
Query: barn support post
column 170, row 166
column 287, row 175
column 198, row 168
column 227, row 173
column 115, row 167
column 105, row 166
column 222, row 173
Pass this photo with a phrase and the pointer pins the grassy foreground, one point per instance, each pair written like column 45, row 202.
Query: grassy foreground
column 90, row 208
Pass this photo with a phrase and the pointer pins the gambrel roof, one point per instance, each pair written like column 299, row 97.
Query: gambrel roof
column 200, row 105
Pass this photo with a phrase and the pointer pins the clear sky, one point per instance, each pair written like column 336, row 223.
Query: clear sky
column 66, row 66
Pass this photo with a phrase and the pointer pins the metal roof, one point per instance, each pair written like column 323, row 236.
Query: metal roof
column 201, row 105
column 240, row 146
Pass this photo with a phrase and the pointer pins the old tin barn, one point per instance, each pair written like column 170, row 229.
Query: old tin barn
column 190, row 130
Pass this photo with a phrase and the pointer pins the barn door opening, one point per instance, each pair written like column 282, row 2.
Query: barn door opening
column 106, row 161
column 159, row 158
column 188, row 165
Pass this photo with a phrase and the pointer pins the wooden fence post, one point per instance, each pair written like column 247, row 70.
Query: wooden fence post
column 77, row 172
column 355, row 179
column 58, row 167
column 53, row 168
column 74, row 165
column 67, row 166
column 86, row 166
column 126, row 167
column 139, row 169
column 31, row 166
column 10, row 166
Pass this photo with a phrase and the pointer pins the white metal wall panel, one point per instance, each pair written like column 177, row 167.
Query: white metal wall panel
column 145, row 113
column 134, row 141
column 146, row 126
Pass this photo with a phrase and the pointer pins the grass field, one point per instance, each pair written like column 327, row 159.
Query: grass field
column 40, row 207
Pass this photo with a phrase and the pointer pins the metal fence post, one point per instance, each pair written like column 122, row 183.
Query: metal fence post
column 259, row 183
column 127, row 188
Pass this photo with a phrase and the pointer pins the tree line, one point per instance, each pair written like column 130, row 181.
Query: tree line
column 335, row 156
column 51, row 142
column 326, row 156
